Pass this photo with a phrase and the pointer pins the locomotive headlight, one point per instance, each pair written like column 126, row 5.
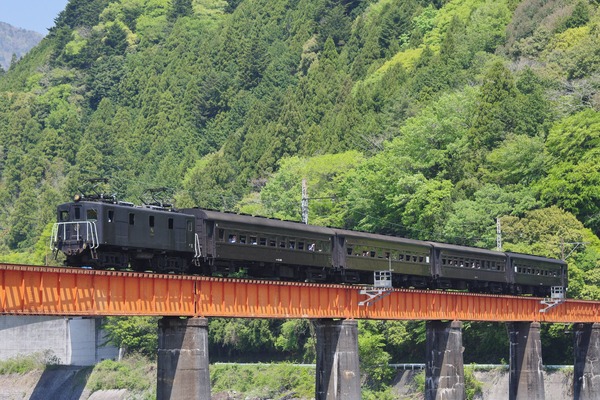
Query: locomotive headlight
column 77, row 198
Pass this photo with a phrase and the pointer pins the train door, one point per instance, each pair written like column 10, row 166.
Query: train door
column 436, row 262
column 189, row 235
column 338, row 252
column 207, row 237
column 120, row 221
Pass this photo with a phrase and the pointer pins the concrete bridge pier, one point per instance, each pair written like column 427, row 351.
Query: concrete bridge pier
column 337, row 374
column 586, row 377
column 444, row 369
column 182, row 370
column 526, row 381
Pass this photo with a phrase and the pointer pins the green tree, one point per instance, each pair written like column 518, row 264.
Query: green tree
column 136, row 334
column 373, row 358
column 495, row 110
column 574, row 177
column 180, row 8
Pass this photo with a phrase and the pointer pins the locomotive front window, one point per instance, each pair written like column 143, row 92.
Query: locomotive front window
column 77, row 213
column 92, row 214
column 64, row 215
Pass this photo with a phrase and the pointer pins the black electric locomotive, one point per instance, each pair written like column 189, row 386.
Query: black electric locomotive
column 104, row 233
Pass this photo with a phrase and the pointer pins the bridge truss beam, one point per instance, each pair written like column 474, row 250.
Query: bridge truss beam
column 30, row 290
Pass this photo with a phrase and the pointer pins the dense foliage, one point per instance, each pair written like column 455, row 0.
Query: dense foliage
column 426, row 119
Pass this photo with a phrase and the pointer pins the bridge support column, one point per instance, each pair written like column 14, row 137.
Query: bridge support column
column 444, row 370
column 526, row 380
column 338, row 374
column 586, row 379
column 182, row 370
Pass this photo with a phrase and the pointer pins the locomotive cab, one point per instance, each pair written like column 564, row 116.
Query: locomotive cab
column 109, row 234
column 76, row 230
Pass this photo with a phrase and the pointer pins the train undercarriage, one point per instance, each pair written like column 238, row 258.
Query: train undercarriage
column 145, row 260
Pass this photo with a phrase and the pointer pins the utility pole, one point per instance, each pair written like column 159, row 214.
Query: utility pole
column 498, row 234
column 304, row 202
column 562, row 248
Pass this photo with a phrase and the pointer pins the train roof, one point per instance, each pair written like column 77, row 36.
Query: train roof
column 126, row 205
column 376, row 236
column 469, row 249
column 535, row 258
column 258, row 221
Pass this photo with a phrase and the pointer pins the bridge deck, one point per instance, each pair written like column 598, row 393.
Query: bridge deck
column 31, row 290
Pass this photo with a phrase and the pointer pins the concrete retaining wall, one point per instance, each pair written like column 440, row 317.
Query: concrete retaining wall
column 66, row 341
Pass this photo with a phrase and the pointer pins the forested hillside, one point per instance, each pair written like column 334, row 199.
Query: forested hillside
column 426, row 119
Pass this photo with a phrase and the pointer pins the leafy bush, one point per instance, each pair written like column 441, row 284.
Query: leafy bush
column 265, row 380
column 136, row 374
column 26, row 363
column 21, row 365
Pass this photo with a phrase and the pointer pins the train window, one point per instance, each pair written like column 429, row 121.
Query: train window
column 243, row 239
column 190, row 226
column 387, row 255
column 421, row 259
column 221, row 234
column 151, row 221
column 427, row 259
column 282, row 243
column 232, row 238
column 253, row 240
column 349, row 251
column 77, row 213
column 263, row 241
column 92, row 214
column 372, row 253
column 444, row 261
column 272, row 242
column 300, row 245
column 311, row 247
column 170, row 223
column 64, row 215
column 131, row 219
column 110, row 215
column 292, row 244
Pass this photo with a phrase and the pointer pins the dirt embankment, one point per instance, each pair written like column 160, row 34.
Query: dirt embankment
column 59, row 383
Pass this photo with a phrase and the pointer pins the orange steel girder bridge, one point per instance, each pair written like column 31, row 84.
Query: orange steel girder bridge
column 31, row 290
